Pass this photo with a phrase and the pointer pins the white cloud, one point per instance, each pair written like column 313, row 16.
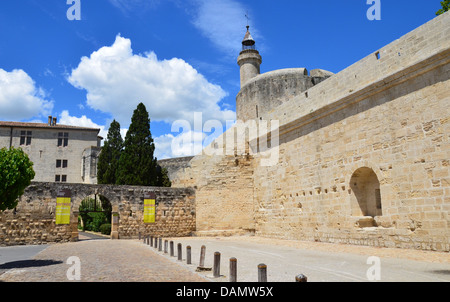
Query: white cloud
column 116, row 81
column 223, row 22
column 20, row 99
column 187, row 143
column 66, row 119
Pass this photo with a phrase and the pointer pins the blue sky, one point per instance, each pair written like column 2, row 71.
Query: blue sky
column 176, row 56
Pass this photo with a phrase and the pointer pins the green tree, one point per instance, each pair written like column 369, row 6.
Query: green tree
column 16, row 173
column 137, row 166
column 163, row 177
column 108, row 162
column 445, row 7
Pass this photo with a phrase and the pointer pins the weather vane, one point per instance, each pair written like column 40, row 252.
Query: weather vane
column 248, row 18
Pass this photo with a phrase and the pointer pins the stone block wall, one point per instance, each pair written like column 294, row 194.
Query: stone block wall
column 29, row 229
column 381, row 126
column 33, row 220
column 175, row 215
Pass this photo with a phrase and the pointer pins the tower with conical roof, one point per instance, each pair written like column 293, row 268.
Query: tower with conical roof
column 249, row 59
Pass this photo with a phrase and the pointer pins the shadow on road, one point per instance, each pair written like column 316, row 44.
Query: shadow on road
column 28, row 263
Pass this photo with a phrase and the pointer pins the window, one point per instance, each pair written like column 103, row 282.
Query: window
column 63, row 139
column 60, row 178
column 25, row 138
column 61, row 163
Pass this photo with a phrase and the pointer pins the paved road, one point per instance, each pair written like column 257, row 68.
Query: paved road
column 99, row 261
column 320, row 262
column 132, row 260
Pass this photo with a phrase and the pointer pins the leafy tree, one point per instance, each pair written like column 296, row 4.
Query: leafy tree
column 163, row 177
column 16, row 173
column 108, row 162
column 93, row 220
column 137, row 166
column 445, row 7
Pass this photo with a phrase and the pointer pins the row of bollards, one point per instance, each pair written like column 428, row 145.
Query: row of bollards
column 157, row 244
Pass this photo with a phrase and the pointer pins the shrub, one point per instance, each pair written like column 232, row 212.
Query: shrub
column 105, row 228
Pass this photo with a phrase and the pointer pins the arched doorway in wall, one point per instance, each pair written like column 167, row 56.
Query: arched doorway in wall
column 95, row 216
column 366, row 195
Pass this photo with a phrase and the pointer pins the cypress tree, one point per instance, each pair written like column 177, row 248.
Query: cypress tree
column 136, row 164
column 163, row 177
column 108, row 162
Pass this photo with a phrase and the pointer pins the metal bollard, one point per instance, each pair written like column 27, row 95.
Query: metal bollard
column 188, row 255
column 216, row 268
column 301, row 278
column 262, row 272
column 179, row 253
column 156, row 242
column 151, row 241
column 233, row 269
column 165, row 246
column 160, row 245
column 202, row 256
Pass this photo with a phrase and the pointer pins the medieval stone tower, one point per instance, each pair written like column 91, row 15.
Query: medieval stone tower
column 249, row 59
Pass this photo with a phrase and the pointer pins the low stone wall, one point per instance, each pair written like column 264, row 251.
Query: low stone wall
column 33, row 220
column 27, row 229
column 175, row 215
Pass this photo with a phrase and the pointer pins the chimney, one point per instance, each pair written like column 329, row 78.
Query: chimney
column 54, row 121
column 49, row 120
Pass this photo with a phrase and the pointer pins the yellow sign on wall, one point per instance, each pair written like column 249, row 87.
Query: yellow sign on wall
column 149, row 207
column 63, row 200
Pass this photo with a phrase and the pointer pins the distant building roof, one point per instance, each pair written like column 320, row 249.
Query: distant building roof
column 45, row 126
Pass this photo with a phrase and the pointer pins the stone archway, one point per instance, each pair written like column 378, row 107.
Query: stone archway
column 95, row 214
column 366, row 194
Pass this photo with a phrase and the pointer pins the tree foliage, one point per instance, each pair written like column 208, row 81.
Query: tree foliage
column 131, row 161
column 95, row 213
column 445, row 7
column 137, row 166
column 16, row 173
column 108, row 162
column 163, row 177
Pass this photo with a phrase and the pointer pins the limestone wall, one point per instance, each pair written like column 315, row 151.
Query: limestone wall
column 28, row 228
column 33, row 220
column 390, row 115
column 400, row 134
column 363, row 156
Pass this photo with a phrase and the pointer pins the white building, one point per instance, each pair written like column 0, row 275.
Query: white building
column 60, row 153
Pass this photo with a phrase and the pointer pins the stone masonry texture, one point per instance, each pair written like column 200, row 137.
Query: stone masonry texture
column 363, row 156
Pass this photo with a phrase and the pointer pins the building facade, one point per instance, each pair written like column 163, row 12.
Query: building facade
column 59, row 153
column 362, row 156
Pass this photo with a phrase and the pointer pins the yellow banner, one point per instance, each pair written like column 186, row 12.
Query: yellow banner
column 63, row 207
column 149, row 208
